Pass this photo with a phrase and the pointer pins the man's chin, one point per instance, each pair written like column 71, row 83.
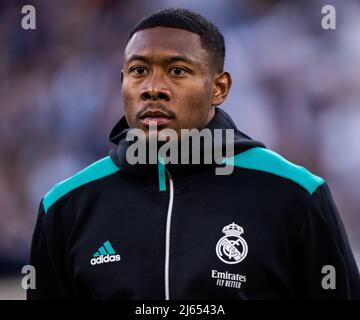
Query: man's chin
column 161, row 134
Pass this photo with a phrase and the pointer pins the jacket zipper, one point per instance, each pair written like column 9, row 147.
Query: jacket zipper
column 167, row 239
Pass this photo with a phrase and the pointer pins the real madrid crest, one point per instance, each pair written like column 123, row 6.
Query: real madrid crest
column 232, row 248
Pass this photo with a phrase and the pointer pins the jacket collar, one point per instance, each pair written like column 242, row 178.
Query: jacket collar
column 221, row 120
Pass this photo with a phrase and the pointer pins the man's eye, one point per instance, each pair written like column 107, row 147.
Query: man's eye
column 138, row 70
column 177, row 71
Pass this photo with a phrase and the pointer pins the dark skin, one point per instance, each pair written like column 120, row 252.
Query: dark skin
column 169, row 75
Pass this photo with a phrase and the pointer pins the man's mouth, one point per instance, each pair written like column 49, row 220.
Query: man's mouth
column 158, row 117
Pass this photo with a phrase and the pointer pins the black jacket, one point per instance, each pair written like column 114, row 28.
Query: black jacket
column 270, row 230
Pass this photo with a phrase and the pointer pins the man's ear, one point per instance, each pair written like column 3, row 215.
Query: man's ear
column 122, row 76
column 222, row 84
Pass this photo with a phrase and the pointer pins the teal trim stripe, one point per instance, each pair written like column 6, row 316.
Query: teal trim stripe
column 109, row 248
column 269, row 161
column 96, row 254
column 95, row 171
column 161, row 174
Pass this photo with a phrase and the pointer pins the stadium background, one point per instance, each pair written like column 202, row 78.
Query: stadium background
column 296, row 87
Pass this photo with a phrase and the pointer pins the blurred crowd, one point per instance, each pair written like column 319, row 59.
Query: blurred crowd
column 296, row 87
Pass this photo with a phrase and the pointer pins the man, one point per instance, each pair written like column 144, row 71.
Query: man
column 268, row 230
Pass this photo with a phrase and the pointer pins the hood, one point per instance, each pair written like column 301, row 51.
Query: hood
column 221, row 120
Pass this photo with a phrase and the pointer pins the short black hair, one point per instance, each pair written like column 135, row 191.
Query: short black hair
column 211, row 38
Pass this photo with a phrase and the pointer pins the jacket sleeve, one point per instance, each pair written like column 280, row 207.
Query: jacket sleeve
column 327, row 268
column 48, row 260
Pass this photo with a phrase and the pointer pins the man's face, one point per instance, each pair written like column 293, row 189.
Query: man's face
column 167, row 80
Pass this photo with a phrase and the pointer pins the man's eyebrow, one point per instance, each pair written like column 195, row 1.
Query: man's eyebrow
column 137, row 57
column 166, row 60
column 179, row 58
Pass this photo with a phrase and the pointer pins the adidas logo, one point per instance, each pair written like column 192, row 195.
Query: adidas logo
column 105, row 254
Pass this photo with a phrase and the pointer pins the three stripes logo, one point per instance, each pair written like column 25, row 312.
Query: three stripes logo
column 105, row 254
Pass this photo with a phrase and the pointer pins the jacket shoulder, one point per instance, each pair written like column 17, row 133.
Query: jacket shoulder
column 95, row 171
column 265, row 160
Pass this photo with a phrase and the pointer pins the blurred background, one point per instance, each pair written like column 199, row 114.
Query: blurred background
column 296, row 87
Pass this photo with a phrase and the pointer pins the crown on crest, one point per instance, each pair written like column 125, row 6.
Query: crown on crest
column 233, row 230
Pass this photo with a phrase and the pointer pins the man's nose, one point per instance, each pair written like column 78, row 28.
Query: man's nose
column 155, row 89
